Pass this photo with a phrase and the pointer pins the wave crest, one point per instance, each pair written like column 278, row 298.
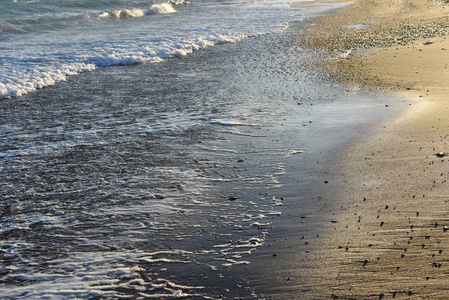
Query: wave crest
column 124, row 13
column 161, row 8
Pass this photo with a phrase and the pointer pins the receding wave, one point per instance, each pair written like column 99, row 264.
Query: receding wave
column 161, row 8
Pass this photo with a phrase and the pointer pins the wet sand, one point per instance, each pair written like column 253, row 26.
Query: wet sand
column 390, row 238
column 378, row 225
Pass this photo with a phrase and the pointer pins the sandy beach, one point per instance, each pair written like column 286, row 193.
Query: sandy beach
column 389, row 238
column 303, row 163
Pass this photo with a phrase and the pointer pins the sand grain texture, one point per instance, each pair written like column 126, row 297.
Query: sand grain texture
column 390, row 241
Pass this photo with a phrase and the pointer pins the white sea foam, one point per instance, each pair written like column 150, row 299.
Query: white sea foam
column 34, row 56
column 160, row 8
column 123, row 13
column 20, row 80
column 97, row 275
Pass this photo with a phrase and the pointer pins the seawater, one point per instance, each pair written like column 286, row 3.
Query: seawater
column 158, row 169
column 44, row 41
column 150, row 180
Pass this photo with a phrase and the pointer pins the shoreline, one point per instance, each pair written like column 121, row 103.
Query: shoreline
column 218, row 219
column 334, row 220
column 384, row 232
column 389, row 239
column 300, row 240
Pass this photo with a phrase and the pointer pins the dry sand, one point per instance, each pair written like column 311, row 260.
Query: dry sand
column 388, row 239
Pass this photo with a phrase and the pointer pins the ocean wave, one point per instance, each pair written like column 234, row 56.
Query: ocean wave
column 30, row 61
column 20, row 83
column 123, row 13
column 160, row 8
column 163, row 8
column 12, row 29
column 16, row 81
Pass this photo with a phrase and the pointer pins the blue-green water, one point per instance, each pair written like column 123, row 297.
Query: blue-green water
column 44, row 41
